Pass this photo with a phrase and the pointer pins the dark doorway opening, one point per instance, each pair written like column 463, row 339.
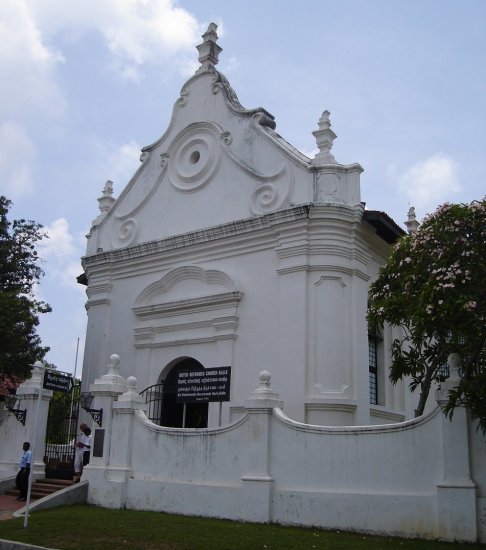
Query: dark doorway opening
column 172, row 414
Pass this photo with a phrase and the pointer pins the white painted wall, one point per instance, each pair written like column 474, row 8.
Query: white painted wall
column 411, row 479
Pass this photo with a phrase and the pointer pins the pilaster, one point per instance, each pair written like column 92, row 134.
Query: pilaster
column 34, row 430
column 105, row 390
column 257, row 482
column 120, row 463
column 98, row 332
column 456, row 493
column 14, row 433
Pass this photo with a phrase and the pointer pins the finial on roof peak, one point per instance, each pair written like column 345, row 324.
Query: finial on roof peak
column 324, row 139
column 106, row 200
column 209, row 50
column 412, row 224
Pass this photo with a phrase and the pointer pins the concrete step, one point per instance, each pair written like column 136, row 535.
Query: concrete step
column 43, row 487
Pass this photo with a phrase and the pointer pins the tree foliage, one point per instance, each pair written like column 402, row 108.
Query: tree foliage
column 434, row 287
column 20, row 345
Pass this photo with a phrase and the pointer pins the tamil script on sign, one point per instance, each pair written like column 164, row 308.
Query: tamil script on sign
column 203, row 385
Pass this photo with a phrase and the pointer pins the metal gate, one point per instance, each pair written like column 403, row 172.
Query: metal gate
column 153, row 397
column 62, row 423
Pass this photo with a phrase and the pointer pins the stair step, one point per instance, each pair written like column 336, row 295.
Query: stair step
column 42, row 493
column 49, row 486
column 57, row 482
column 42, row 488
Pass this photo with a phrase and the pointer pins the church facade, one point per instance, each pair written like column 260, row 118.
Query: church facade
column 230, row 248
column 230, row 278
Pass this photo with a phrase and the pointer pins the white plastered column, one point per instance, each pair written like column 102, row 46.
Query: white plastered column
column 257, row 482
column 34, row 430
column 106, row 391
column 120, row 462
column 456, row 493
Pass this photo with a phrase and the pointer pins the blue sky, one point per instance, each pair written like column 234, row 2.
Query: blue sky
column 85, row 84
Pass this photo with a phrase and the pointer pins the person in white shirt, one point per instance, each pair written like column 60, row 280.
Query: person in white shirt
column 82, row 454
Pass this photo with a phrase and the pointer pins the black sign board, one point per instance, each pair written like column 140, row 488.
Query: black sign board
column 57, row 381
column 203, row 386
column 99, row 439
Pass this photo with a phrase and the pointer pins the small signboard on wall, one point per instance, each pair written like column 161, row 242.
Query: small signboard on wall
column 99, row 440
column 203, row 386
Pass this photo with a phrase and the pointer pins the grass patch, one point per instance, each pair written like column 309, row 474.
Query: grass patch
column 88, row 527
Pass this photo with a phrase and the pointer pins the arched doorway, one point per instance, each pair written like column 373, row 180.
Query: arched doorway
column 172, row 414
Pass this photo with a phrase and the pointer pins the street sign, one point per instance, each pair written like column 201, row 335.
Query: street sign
column 57, row 381
column 203, row 386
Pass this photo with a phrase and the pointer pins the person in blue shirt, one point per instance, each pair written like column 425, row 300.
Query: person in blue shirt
column 22, row 480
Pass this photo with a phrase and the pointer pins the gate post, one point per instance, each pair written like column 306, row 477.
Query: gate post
column 106, row 390
column 257, row 486
column 119, row 468
column 456, row 493
column 14, row 433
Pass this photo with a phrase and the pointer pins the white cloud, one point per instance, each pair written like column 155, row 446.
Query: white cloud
column 61, row 253
column 123, row 162
column 231, row 65
column 59, row 243
column 17, row 153
column 430, row 182
column 117, row 163
column 27, row 66
column 136, row 32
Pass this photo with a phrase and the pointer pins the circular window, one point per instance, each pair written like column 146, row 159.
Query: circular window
column 195, row 156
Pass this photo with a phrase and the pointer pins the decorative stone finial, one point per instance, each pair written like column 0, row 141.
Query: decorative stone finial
column 34, row 383
column 114, row 365
column 412, row 224
column 106, row 200
column 131, row 389
column 264, row 391
column 209, row 50
column 131, row 398
column 265, row 378
column 263, row 396
column 454, row 362
column 452, row 381
column 112, row 381
column 324, row 139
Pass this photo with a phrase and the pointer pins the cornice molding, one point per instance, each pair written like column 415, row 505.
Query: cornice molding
column 99, row 302
column 324, row 268
column 191, row 305
column 186, row 341
column 198, row 237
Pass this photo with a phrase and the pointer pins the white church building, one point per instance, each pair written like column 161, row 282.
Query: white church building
column 227, row 351
column 231, row 248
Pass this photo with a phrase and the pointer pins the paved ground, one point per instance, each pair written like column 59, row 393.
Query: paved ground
column 8, row 505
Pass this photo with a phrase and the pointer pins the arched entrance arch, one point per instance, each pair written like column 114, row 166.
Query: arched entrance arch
column 173, row 414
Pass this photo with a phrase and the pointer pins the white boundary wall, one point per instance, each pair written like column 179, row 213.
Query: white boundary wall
column 421, row 478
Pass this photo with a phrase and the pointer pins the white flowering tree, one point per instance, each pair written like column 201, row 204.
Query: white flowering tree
column 434, row 287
